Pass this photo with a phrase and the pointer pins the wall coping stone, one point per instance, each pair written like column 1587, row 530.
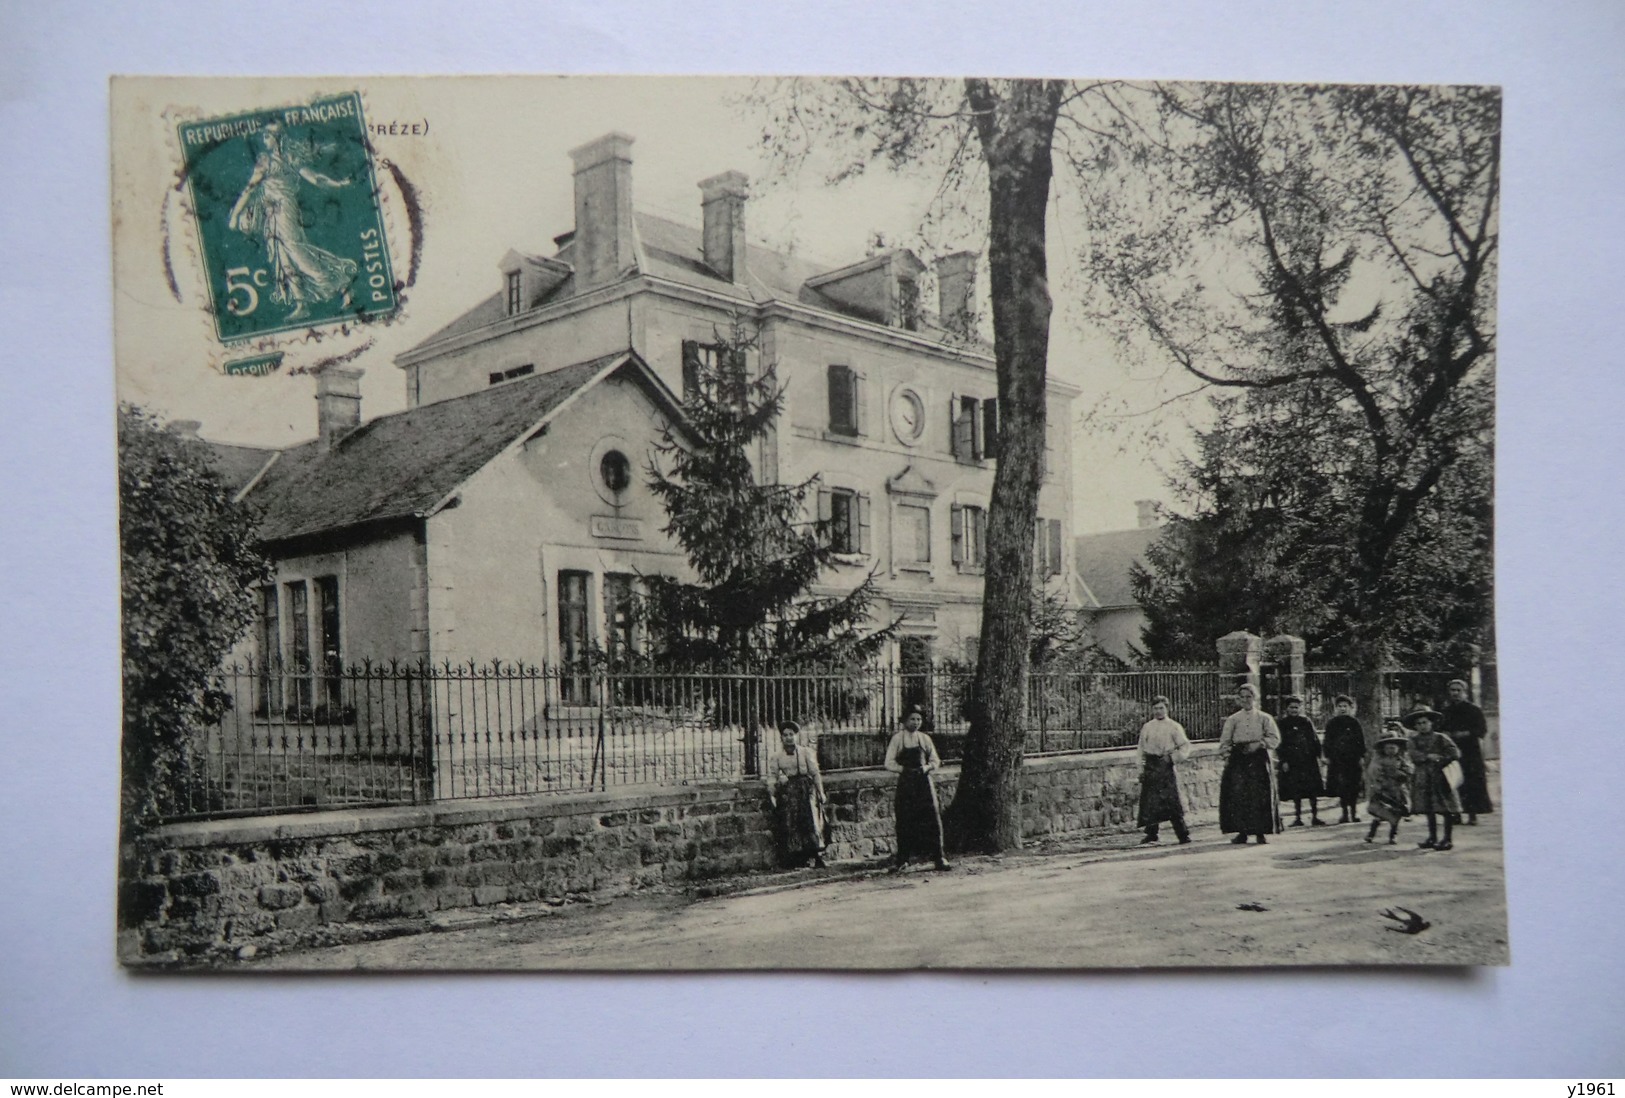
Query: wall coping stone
column 353, row 821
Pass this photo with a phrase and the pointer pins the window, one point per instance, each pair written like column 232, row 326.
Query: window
column 908, row 304
column 975, row 434
column 969, row 537
column 616, row 471
column 843, row 522
column 270, row 699
column 843, row 400
column 498, row 376
column 332, row 665
column 913, row 542
column 620, row 605
column 513, row 292
column 574, row 635
column 716, row 367
column 299, row 668
column 1047, row 547
column 844, row 515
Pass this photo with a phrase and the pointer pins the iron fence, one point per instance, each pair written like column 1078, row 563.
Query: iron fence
column 322, row 737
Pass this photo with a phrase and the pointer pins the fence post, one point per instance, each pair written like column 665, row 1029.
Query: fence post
column 600, row 751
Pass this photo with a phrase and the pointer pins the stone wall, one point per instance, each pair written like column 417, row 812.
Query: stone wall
column 188, row 890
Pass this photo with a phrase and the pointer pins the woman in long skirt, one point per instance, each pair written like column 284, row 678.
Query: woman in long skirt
column 1464, row 722
column 796, row 789
column 1298, row 768
column 912, row 757
column 1163, row 744
column 1247, row 797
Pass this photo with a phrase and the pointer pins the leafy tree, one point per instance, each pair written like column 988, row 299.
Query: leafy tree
column 755, row 555
column 990, row 139
column 1327, row 256
column 189, row 568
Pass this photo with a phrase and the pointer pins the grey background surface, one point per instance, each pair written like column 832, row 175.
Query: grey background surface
column 65, row 1008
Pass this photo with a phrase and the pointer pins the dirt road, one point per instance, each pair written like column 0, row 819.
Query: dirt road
column 1313, row 896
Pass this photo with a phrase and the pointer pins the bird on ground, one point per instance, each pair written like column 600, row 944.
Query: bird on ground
column 1409, row 923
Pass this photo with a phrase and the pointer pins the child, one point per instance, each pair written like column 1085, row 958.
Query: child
column 1388, row 782
column 1345, row 758
column 1431, row 791
column 1298, row 764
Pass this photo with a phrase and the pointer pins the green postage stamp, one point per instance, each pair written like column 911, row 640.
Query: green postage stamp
column 288, row 218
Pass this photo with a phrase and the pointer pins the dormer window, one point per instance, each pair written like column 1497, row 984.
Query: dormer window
column 513, row 293
column 908, row 304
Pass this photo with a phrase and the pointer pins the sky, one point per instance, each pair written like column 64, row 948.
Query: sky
column 490, row 163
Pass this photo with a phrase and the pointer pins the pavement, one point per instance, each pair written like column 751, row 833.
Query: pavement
column 1312, row 896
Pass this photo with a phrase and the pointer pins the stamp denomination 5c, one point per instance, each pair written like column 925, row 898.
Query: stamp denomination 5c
column 288, row 218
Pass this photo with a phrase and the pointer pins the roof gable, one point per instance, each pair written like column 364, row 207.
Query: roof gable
column 411, row 462
column 1104, row 561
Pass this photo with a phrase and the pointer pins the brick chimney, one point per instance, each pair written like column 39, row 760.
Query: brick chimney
column 956, row 287
column 603, row 235
column 1147, row 509
column 722, row 199
column 338, row 403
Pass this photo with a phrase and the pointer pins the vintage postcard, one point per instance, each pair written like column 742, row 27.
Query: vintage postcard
column 678, row 523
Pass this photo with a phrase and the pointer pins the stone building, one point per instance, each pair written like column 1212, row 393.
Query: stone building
column 503, row 513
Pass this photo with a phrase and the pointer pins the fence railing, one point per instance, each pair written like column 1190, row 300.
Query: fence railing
column 294, row 738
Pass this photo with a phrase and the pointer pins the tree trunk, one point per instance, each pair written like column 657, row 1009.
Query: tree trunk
column 1015, row 134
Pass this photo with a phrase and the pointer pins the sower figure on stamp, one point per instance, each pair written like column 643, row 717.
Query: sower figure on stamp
column 1298, row 764
column 1464, row 722
column 912, row 757
column 796, row 790
column 1247, row 798
column 1431, row 790
column 1162, row 744
column 1345, row 758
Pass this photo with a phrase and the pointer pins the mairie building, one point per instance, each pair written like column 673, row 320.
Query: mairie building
column 504, row 514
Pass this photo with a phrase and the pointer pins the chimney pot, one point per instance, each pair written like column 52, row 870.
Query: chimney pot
column 722, row 201
column 1147, row 509
column 603, row 244
column 338, row 403
column 956, row 288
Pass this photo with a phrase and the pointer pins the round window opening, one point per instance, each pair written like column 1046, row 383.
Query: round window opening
column 616, row 471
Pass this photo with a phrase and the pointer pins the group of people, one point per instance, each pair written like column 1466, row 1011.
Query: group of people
column 1437, row 770
column 796, row 792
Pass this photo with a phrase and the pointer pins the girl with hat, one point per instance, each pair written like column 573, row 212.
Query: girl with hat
column 912, row 757
column 1388, row 781
column 1432, row 791
column 796, row 790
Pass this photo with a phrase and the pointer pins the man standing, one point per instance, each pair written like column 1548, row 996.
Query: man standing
column 1162, row 744
column 1464, row 722
column 1247, row 798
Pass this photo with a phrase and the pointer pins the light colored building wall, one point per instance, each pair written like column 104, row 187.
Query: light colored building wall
column 536, row 510
column 573, row 335
column 1118, row 630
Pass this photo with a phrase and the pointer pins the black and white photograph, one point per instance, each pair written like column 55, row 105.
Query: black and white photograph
column 806, row 523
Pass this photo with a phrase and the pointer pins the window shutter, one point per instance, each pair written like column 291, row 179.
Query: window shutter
column 691, row 369
column 957, row 525
column 865, row 543
column 859, row 387
column 990, row 428
column 842, row 401
column 826, row 507
column 1054, row 547
column 965, row 429
column 1040, row 547
column 979, row 521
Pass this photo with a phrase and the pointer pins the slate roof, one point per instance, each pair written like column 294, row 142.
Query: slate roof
column 405, row 464
column 237, row 465
column 1103, row 562
column 674, row 251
